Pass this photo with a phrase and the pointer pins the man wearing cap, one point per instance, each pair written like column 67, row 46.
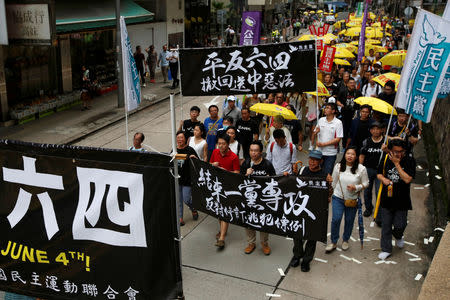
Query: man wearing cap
column 307, row 253
column 370, row 157
column 377, row 68
column 231, row 110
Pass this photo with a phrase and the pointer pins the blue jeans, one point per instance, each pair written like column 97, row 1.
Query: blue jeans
column 372, row 173
column 338, row 210
column 328, row 163
column 185, row 197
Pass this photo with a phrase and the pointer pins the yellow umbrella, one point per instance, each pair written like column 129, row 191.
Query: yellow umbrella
column 372, row 15
column 342, row 32
column 378, row 24
column 312, row 12
column 346, row 45
column 374, row 32
column 341, row 62
column 375, row 49
column 373, row 41
column 394, row 58
column 376, row 104
column 305, row 13
column 383, row 78
column 354, row 31
column 320, row 11
column 356, row 43
column 323, row 91
column 353, row 24
column 327, row 38
column 306, row 37
column 343, row 53
column 270, row 109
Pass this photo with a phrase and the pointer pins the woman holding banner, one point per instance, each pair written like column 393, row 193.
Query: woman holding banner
column 349, row 179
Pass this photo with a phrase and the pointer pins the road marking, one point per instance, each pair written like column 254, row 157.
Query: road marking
column 418, row 276
column 280, row 270
column 412, row 254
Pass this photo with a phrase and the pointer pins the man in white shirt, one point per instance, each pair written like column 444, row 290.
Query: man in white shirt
column 278, row 123
column 329, row 133
column 371, row 89
column 137, row 142
column 282, row 154
column 172, row 58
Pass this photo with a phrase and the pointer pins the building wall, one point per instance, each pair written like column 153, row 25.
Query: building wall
column 148, row 34
column 175, row 11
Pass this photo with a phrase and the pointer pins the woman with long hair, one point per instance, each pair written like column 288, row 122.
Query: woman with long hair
column 198, row 143
column 349, row 179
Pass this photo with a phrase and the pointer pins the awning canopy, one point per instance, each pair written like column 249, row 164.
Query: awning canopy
column 90, row 14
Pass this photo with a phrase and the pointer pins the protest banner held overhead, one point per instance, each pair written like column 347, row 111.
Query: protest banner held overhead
column 425, row 65
column 326, row 62
column 251, row 28
column 84, row 223
column 284, row 205
column 283, row 67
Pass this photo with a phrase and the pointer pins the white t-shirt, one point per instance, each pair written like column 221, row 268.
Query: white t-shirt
column 286, row 133
column 360, row 179
column 329, row 131
column 371, row 91
column 197, row 147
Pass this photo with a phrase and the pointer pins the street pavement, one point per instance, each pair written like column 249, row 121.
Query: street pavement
column 231, row 274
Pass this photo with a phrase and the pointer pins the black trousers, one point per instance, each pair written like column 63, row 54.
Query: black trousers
column 174, row 72
column 307, row 253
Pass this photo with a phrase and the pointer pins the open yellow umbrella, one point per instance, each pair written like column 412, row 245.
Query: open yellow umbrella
column 312, row 12
column 323, row 91
column 305, row 13
column 374, row 32
column 376, row 104
column 306, row 37
column 320, row 11
column 343, row 53
column 372, row 15
column 348, row 46
column 373, row 41
column 394, row 58
column 341, row 62
column 270, row 109
column 327, row 38
column 378, row 24
column 353, row 24
column 375, row 48
column 383, row 78
column 353, row 31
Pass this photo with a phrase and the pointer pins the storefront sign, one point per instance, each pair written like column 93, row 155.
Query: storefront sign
column 3, row 28
column 85, row 223
column 29, row 23
column 283, row 205
column 251, row 28
column 248, row 69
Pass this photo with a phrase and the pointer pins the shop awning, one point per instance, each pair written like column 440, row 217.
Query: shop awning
column 90, row 14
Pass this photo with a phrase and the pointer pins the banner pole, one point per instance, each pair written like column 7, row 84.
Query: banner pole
column 179, row 77
column 126, row 124
column 317, row 81
column 387, row 131
column 175, row 171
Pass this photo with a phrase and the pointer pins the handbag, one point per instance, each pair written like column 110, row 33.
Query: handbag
column 347, row 202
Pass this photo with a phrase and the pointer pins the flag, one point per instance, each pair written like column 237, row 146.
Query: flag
column 251, row 28
column 444, row 88
column 132, row 89
column 362, row 35
column 359, row 9
column 425, row 65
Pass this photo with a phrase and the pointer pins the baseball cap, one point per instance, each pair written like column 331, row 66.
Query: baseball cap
column 331, row 100
column 315, row 154
column 231, row 98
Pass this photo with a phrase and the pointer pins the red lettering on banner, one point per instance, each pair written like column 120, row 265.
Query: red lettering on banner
column 320, row 31
column 319, row 45
column 312, row 29
column 326, row 63
column 326, row 26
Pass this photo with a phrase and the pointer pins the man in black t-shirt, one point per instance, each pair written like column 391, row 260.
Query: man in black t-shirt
column 256, row 165
column 188, row 125
column 295, row 128
column 396, row 171
column 139, row 58
column 313, row 169
column 359, row 130
column 248, row 131
column 370, row 157
column 398, row 130
column 346, row 100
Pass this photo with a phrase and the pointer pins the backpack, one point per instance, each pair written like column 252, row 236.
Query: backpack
column 291, row 147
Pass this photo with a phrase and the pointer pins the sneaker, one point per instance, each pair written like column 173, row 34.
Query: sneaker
column 220, row 244
column 345, row 245
column 305, row 267
column 330, row 248
column 384, row 255
column 195, row 215
column 367, row 213
column 181, row 222
column 295, row 261
column 265, row 248
column 250, row 248
column 400, row 243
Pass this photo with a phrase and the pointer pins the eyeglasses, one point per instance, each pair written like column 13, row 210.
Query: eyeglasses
column 398, row 152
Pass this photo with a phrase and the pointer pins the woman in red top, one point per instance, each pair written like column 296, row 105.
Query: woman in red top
column 224, row 158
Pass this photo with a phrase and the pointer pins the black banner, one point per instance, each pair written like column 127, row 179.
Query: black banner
column 283, row 205
column 85, row 223
column 284, row 67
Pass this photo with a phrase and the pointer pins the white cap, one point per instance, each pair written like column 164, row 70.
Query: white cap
column 331, row 100
column 231, row 98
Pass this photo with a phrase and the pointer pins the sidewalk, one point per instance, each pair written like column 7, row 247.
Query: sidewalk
column 68, row 126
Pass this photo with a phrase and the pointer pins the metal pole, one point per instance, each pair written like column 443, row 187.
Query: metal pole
column 175, row 172
column 120, row 97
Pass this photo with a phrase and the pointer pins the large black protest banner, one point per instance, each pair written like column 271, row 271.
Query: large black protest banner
column 284, row 205
column 284, row 67
column 84, row 223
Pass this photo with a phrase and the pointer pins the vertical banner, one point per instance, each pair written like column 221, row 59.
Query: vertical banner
column 131, row 84
column 251, row 28
column 444, row 89
column 359, row 9
column 3, row 27
column 326, row 26
column 362, row 35
column 326, row 63
column 312, row 29
column 425, row 65
column 320, row 31
column 319, row 45
column 83, row 223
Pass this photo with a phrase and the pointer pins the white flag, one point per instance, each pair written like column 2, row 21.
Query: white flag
column 425, row 65
column 131, row 85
